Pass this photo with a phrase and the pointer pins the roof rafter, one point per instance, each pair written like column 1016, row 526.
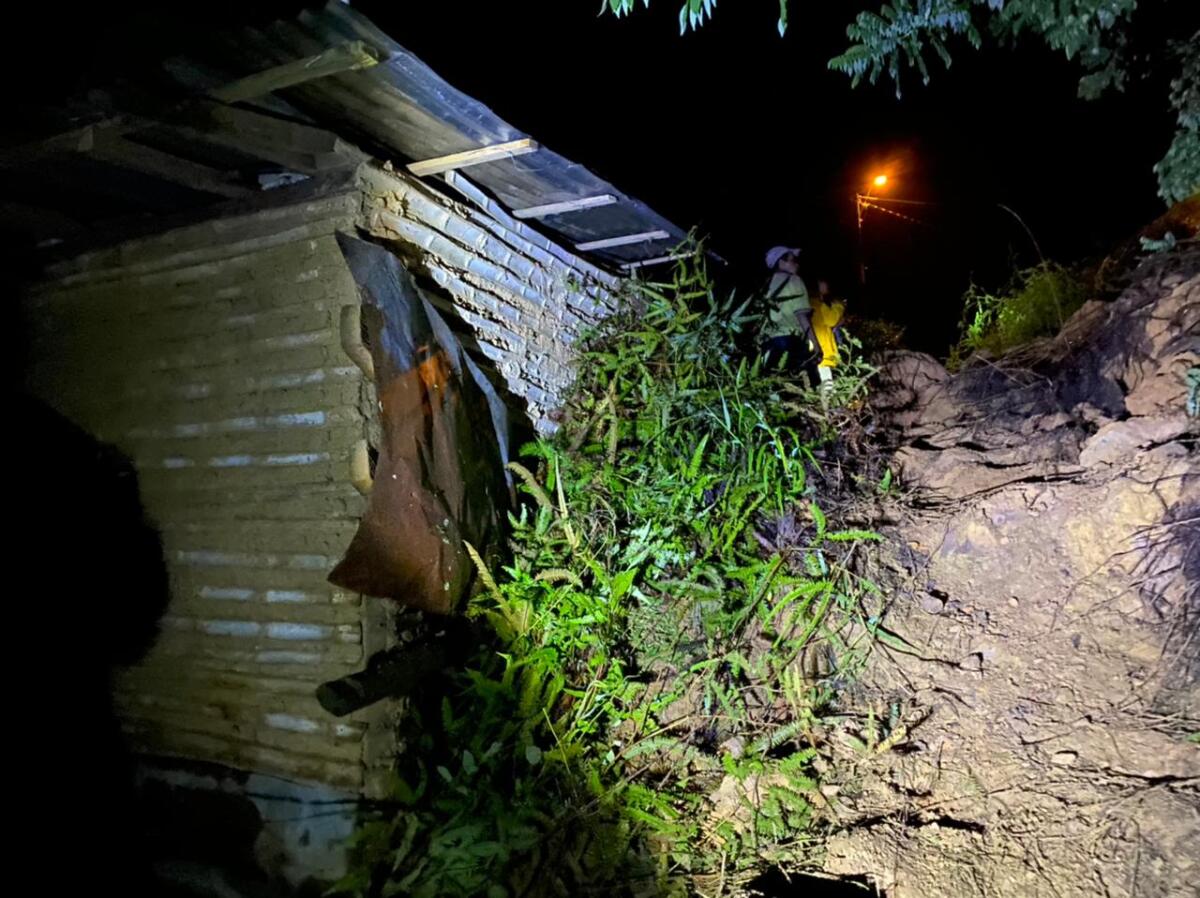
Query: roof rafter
column 455, row 161
column 586, row 202
column 622, row 240
column 347, row 57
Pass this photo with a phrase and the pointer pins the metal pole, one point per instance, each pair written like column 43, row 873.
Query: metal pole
column 862, row 262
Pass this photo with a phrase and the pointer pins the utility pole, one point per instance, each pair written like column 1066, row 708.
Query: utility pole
column 880, row 181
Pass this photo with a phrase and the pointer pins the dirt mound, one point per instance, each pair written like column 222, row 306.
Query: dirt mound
column 1049, row 580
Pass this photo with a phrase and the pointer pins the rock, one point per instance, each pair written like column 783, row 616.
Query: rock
column 1120, row 439
column 931, row 604
column 734, row 746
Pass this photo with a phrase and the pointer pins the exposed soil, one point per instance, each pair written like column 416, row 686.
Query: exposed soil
column 1049, row 578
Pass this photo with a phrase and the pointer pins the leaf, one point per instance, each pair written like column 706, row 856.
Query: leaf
column 533, row 755
column 531, row 484
column 818, row 517
column 484, row 574
column 558, row 575
column 775, row 738
column 693, row 467
column 845, row 536
column 893, row 641
column 621, row 583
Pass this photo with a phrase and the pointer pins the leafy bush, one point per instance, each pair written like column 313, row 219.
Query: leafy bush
column 677, row 614
column 1036, row 303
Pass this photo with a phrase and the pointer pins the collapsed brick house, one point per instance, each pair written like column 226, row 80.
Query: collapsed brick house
column 209, row 326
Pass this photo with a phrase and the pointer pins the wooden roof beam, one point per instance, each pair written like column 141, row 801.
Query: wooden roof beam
column 657, row 260
column 76, row 140
column 455, row 161
column 299, row 147
column 623, row 240
column 586, row 202
column 347, row 57
column 116, row 150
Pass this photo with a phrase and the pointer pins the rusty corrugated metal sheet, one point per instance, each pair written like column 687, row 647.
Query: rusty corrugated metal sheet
column 444, row 443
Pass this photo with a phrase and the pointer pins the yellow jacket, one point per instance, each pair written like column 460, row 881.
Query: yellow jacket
column 825, row 317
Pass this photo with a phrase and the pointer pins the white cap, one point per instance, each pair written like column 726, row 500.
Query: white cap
column 775, row 253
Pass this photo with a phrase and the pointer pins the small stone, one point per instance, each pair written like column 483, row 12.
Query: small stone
column 735, row 746
column 931, row 604
column 1064, row 758
column 1013, row 602
column 974, row 662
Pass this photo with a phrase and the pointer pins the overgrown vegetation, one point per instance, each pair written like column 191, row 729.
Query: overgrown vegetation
column 1036, row 303
column 903, row 33
column 660, row 662
column 1179, row 171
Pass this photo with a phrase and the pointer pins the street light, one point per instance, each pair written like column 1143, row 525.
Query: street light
column 879, row 181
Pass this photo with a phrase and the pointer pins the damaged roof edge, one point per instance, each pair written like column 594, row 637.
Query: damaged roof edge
column 404, row 107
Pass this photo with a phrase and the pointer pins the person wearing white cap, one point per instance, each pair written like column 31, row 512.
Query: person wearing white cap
column 787, row 336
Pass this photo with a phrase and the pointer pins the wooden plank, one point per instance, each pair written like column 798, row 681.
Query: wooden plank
column 300, row 147
column 76, row 140
column 454, row 161
column 116, row 150
column 587, row 202
column 623, row 240
column 657, row 260
column 348, row 57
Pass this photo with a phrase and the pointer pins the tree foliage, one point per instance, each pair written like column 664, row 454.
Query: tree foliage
column 1179, row 171
column 902, row 34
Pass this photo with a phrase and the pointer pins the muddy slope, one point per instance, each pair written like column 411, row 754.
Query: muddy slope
column 1049, row 578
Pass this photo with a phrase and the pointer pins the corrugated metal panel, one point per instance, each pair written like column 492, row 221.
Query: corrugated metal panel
column 403, row 109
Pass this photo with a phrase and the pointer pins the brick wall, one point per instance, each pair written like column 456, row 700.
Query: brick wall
column 211, row 356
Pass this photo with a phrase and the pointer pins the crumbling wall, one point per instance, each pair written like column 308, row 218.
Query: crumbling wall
column 523, row 299
column 211, row 357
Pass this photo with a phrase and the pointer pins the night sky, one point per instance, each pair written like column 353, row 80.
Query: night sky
column 751, row 139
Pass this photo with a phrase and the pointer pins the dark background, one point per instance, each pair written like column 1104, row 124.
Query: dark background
column 748, row 136
column 751, row 138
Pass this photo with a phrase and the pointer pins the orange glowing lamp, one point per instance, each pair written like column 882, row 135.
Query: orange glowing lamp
column 880, row 180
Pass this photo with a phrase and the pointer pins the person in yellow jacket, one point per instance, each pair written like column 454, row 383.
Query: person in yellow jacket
column 827, row 312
